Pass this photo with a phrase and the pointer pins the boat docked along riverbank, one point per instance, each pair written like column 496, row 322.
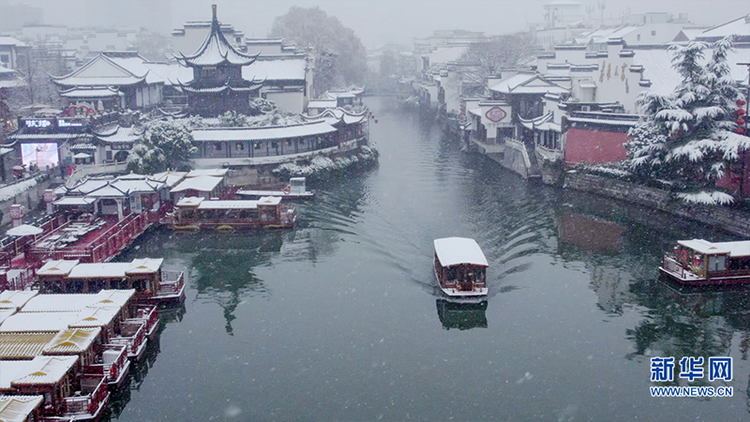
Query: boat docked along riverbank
column 461, row 269
column 698, row 262
column 198, row 213
column 296, row 189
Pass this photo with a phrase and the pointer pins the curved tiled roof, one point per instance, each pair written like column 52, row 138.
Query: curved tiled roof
column 216, row 50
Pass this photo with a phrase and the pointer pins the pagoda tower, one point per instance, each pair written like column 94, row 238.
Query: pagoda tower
column 217, row 85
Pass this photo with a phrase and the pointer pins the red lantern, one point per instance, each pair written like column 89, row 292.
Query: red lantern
column 697, row 261
column 741, row 102
column 740, row 121
column 739, row 130
column 676, row 250
column 739, row 112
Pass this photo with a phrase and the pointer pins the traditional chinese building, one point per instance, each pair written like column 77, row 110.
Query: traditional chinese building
column 218, row 85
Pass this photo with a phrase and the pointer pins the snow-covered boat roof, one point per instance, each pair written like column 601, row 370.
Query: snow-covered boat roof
column 202, row 204
column 199, row 183
column 116, row 269
column 40, row 370
column 78, row 302
column 15, row 299
column 5, row 313
column 25, row 322
column 74, row 340
column 91, row 318
column 18, row 408
column 459, row 250
column 24, row 345
column 261, row 133
column 734, row 249
column 57, row 267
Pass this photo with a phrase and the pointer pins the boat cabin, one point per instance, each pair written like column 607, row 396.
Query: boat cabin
column 198, row 213
column 54, row 377
column 699, row 261
column 151, row 283
column 460, row 267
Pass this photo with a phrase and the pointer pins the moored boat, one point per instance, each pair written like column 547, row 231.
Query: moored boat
column 699, row 262
column 267, row 212
column 296, row 189
column 461, row 268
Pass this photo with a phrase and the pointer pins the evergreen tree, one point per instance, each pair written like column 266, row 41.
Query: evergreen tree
column 687, row 136
column 164, row 145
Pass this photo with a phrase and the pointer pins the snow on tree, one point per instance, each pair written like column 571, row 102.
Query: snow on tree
column 487, row 58
column 164, row 145
column 340, row 57
column 687, row 136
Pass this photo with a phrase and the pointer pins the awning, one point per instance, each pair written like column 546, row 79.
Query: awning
column 24, row 230
column 82, row 155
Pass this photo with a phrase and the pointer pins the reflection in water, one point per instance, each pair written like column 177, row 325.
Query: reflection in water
column 573, row 278
column 590, row 233
column 463, row 316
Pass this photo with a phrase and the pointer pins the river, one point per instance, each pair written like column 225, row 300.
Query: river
column 340, row 319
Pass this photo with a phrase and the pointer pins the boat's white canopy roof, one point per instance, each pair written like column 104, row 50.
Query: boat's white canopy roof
column 78, row 302
column 40, row 370
column 734, row 249
column 18, row 408
column 459, row 250
column 15, row 299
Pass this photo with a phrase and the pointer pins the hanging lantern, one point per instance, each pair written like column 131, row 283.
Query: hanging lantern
column 697, row 261
column 676, row 250
column 741, row 102
column 740, row 121
column 739, row 130
column 739, row 112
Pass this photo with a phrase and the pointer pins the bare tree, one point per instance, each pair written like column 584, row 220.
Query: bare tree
column 487, row 58
column 44, row 60
column 340, row 57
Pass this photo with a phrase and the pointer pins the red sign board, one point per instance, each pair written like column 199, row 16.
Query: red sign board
column 495, row 114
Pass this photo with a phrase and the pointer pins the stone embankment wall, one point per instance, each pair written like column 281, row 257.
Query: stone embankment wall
column 732, row 220
column 30, row 199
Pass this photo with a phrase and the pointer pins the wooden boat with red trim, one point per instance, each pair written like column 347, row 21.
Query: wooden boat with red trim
column 198, row 213
column 461, row 269
column 699, row 262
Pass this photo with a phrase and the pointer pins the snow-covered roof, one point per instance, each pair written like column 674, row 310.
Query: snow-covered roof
column 443, row 55
column 83, row 92
column 525, row 83
column 459, row 250
column 170, row 178
column 333, row 116
column 18, row 408
column 25, row 322
column 40, row 370
column 5, row 313
column 322, row 103
column 74, row 201
column 24, row 345
column 215, row 50
column 215, row 172
column 79, row 302
column 199, row 183
column 115, row 269
column 57, row 267
column 657, row 67
column 261, row 133
column 734, row 249
column 276, row 70
column 12, row 41
column 227, row 205
column 169, row 73
column 94, row 317
column 15, row 299
column 120, row 135
column 101, row 71
column 739, row 27
column 72, row 341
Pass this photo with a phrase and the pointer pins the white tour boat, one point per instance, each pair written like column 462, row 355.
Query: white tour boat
column 461, row 268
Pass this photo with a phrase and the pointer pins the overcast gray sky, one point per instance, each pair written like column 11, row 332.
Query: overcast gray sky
column 375, row 21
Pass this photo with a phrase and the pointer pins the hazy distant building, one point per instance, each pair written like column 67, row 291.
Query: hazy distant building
column 150, row 14
column 15, row 16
